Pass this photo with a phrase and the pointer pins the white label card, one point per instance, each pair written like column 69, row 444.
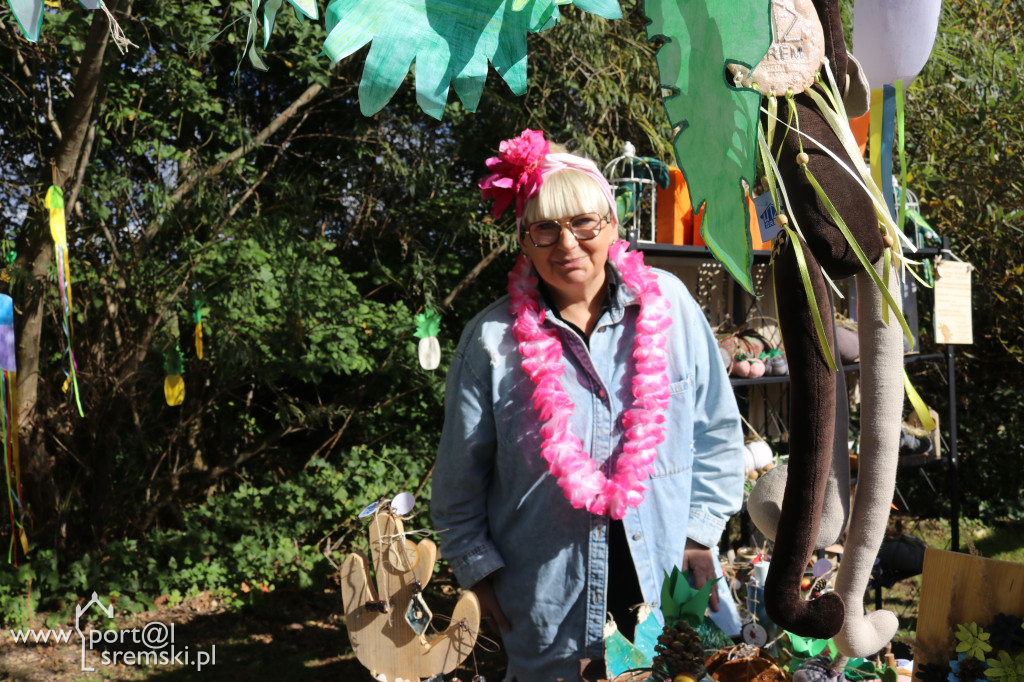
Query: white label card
column 953, row 323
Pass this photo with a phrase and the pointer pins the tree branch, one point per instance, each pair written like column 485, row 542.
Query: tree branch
column 472, row 274
column 190, row 182
column 83, row 161
column 266, row 171
column 50, row 118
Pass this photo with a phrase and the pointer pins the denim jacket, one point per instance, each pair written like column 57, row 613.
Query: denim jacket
column 500, row 513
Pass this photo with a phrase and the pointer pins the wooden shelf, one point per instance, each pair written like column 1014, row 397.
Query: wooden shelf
column 689, row 251
column 760, row 256
column 908, row 359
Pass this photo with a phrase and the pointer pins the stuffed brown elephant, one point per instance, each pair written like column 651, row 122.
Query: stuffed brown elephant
column 813, row 426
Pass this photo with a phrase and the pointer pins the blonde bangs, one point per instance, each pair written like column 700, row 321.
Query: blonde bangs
column 565, row 193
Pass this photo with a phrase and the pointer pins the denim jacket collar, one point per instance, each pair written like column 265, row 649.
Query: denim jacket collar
column 619, row 297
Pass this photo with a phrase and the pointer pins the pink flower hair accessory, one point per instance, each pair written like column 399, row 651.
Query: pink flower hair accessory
column 581, row 479
column 519, row 169
column 515, row 171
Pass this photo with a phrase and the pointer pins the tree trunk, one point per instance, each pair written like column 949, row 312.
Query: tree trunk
column 35, row 253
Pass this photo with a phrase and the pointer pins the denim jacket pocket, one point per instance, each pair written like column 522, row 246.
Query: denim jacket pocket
column 675, row 454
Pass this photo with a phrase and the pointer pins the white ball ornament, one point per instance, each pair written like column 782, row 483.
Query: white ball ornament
column 892, row 39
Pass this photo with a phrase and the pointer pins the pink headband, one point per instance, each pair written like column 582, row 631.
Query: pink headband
column 521, row 166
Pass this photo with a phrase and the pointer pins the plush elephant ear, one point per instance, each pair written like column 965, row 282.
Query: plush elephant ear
column 765, row 505
column 700, row 40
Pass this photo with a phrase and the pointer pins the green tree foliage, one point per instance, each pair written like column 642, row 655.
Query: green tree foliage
column 965, row 142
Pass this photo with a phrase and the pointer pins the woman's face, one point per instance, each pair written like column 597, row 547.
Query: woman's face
column 574, row 269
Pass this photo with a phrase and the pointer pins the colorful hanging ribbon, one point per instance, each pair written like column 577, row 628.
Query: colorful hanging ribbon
column 9, row 428
column 58, row 230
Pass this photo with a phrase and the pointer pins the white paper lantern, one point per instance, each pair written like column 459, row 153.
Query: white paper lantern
column 893, row 38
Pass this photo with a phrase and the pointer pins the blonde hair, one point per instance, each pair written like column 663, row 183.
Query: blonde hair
column 566, row 193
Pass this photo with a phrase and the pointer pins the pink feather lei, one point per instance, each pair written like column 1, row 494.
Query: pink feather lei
column 582, row 481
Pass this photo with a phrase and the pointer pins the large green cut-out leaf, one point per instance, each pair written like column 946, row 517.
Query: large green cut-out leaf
column 716, row 144
column 451, row 42
column 29, row 15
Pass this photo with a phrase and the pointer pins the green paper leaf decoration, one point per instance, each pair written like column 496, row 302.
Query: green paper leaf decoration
column 621, row 655
column 428, row 323
column 862, row 669
column 174, row 362
column 716, row 145
column 680, row 600
column 197, row 310
column 806, row 647
column 694, row 608
column 305, row 8
column 301, row 8
column 29, row 15
column 270, row 9
column 451, row 42
column 669, row 608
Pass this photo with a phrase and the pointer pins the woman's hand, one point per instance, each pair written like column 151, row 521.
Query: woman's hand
column 699, row 560
column 490, row 611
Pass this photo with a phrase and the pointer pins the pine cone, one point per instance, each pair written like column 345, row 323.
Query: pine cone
column 679, row 651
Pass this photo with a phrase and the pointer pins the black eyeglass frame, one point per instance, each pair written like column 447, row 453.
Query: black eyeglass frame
column 566, row 225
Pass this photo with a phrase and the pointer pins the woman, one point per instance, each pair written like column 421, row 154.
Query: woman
column 591, row 438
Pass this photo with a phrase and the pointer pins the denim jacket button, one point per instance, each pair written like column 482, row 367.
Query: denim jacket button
column 638, row 536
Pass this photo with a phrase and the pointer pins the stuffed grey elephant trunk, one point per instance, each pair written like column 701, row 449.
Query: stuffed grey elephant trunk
column 881, row 348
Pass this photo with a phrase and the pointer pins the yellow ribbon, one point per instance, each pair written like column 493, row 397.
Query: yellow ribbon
column 875, row 136
column 919, row 407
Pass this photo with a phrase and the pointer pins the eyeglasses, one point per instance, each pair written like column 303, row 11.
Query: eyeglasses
column 584, row 227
